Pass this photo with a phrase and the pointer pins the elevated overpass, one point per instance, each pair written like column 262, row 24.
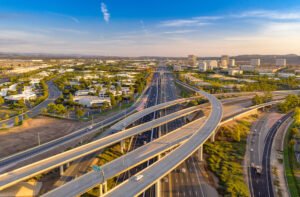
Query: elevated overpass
column 21, row 174
column 142, row 154
column 154, row 173
column 12, row 177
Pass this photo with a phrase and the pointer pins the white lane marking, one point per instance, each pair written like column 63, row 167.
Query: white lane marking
column 197, row 175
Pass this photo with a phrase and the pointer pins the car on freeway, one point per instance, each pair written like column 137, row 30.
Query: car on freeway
column 138, row 177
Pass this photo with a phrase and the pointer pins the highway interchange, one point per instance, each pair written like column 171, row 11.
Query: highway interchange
column 189, row 183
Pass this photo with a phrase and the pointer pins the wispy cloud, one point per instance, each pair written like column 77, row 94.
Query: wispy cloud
column 270, row 14
column 106, row 14
column 67, row 30
column 195, row 21
column 72, row 18
column 180, row 31
column 182, row 23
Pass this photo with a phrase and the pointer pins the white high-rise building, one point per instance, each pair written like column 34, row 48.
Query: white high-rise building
column 208, row 65
column 203, row 66
column 192, row 60
column 232, row 63
column 255, row 62
column 224, row 61
column 280, row 62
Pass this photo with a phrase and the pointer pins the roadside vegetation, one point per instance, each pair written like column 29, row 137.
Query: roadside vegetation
column 291, row 102
column 291, row 165
column 260, row 99
column 225, row 157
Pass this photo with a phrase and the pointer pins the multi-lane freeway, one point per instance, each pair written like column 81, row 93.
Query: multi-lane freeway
column 164, row 166
column 260, row 182
column 9, row 162
column 190, row 141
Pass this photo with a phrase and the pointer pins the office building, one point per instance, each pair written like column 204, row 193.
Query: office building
column 280, row 62
column 192, row 60
column 203, row 66
column 224, row 61
column 232, row 63
column 255, row 62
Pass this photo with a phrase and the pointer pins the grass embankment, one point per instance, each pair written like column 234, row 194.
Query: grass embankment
column 291, row 166
column 225, row 157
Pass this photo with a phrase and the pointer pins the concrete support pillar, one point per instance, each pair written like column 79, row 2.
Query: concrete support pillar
column 200, row 153
column 159, row 132
column 68, row 164
column 159, row 157
column 100, row 190
column 61, row 170
column 130, row 143
column 122, row 146
column 158, row 188
column 105, row 187
column 212, row 138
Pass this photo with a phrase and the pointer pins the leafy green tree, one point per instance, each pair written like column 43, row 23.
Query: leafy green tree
column 257, row 100
column 292, row 142
column 79, row 112
column 4, row 126
column 6, row 116
column 297, row 116
column 113, row 100
column 290, row 102
column 1, row 100
column 294, row 131
column 17, row 121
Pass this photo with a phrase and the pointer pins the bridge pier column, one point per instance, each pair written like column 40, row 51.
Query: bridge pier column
column 122, row 146
column 105, row 186
column 159, row 132
column 130, row 143
column 68, row 164
column 102, row 189
column 158, row 188
column 159, row 157
column 213, row 136
column 200, row 153
column 61, row 170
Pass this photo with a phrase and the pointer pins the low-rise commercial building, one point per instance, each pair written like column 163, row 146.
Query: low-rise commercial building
column 233, row 72
column 90, row 101
column 247, row 68
column 286, row 75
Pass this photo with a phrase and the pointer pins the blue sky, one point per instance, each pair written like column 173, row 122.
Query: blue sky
column 156, row 27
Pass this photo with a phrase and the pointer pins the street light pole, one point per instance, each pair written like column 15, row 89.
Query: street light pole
column 39, row 140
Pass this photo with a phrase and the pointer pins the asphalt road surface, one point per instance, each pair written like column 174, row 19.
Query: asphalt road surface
column 261, row 183
column 54, row 93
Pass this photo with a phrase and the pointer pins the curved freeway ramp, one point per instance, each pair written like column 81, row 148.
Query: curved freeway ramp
column 15, row 176
column 144, row 153
column 161, row 168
